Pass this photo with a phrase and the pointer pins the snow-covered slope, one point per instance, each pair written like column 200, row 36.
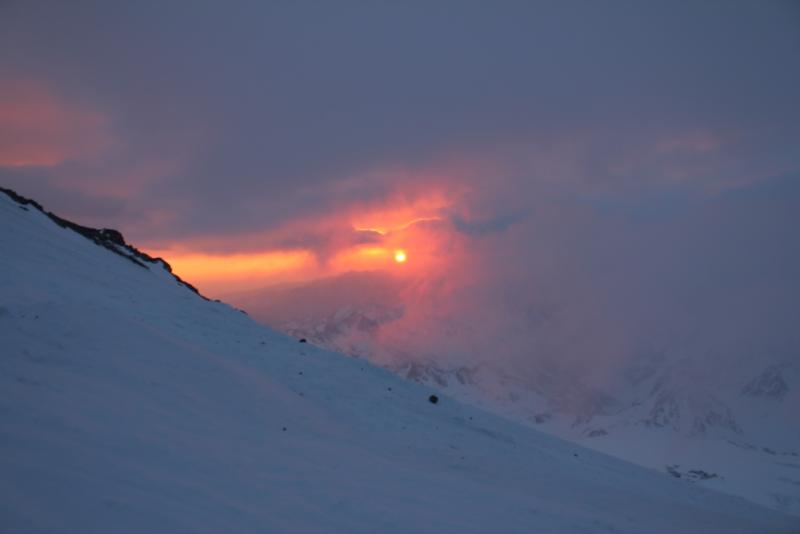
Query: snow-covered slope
column 729, row 426
column 740, row 445
column 130, row 404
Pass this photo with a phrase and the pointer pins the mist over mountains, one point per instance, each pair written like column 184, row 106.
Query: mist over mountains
column 685, row 321
column 712, row 283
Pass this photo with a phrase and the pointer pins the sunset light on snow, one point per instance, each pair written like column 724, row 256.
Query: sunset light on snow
column 579, row 216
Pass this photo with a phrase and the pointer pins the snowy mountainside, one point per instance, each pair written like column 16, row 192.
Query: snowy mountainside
column 739, row 426
column 129, row 403
column 720, row 437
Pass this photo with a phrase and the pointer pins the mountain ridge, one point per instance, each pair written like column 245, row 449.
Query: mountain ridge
column 107, row 238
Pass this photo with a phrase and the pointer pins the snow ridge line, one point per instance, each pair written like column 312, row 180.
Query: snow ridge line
column 105, row 237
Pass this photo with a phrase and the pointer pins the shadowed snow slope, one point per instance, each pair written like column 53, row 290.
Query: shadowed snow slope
column 130, row 404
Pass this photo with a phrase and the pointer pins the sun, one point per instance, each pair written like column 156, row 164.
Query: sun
column 400, row 256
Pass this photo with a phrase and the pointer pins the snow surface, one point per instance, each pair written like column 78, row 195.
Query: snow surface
column 130, row 404
column 758, row 459
column 687, row 410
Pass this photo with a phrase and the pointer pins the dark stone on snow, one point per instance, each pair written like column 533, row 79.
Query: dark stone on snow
column 699, row 474
column 302, row 340
column 433, row 399
column 673, row 470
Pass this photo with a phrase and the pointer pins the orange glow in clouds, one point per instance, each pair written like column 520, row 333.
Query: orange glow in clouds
column 218, row 274
column 39, row 128
column 391, row 231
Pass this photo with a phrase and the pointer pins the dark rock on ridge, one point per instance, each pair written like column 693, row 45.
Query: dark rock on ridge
column 104, row 237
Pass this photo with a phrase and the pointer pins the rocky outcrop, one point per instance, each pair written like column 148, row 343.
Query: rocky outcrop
column 692, row 413
column 770, row 384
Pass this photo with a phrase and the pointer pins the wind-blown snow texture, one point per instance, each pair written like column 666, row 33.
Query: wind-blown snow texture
column 130, row 404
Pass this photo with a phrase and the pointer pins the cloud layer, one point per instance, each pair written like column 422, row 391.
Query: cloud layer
column 575, row 180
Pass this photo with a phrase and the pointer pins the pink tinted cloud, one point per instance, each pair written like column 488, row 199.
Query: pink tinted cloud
column 39, row 127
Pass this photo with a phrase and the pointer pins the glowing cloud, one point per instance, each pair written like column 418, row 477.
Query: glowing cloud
column 40, row 128
column 220, row 273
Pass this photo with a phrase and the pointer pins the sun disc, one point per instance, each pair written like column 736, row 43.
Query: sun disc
column 400, row 256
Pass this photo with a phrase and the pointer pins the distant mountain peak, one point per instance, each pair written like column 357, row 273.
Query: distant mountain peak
column 770, row 384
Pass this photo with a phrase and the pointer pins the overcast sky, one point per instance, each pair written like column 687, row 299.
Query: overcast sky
column 645, row 153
